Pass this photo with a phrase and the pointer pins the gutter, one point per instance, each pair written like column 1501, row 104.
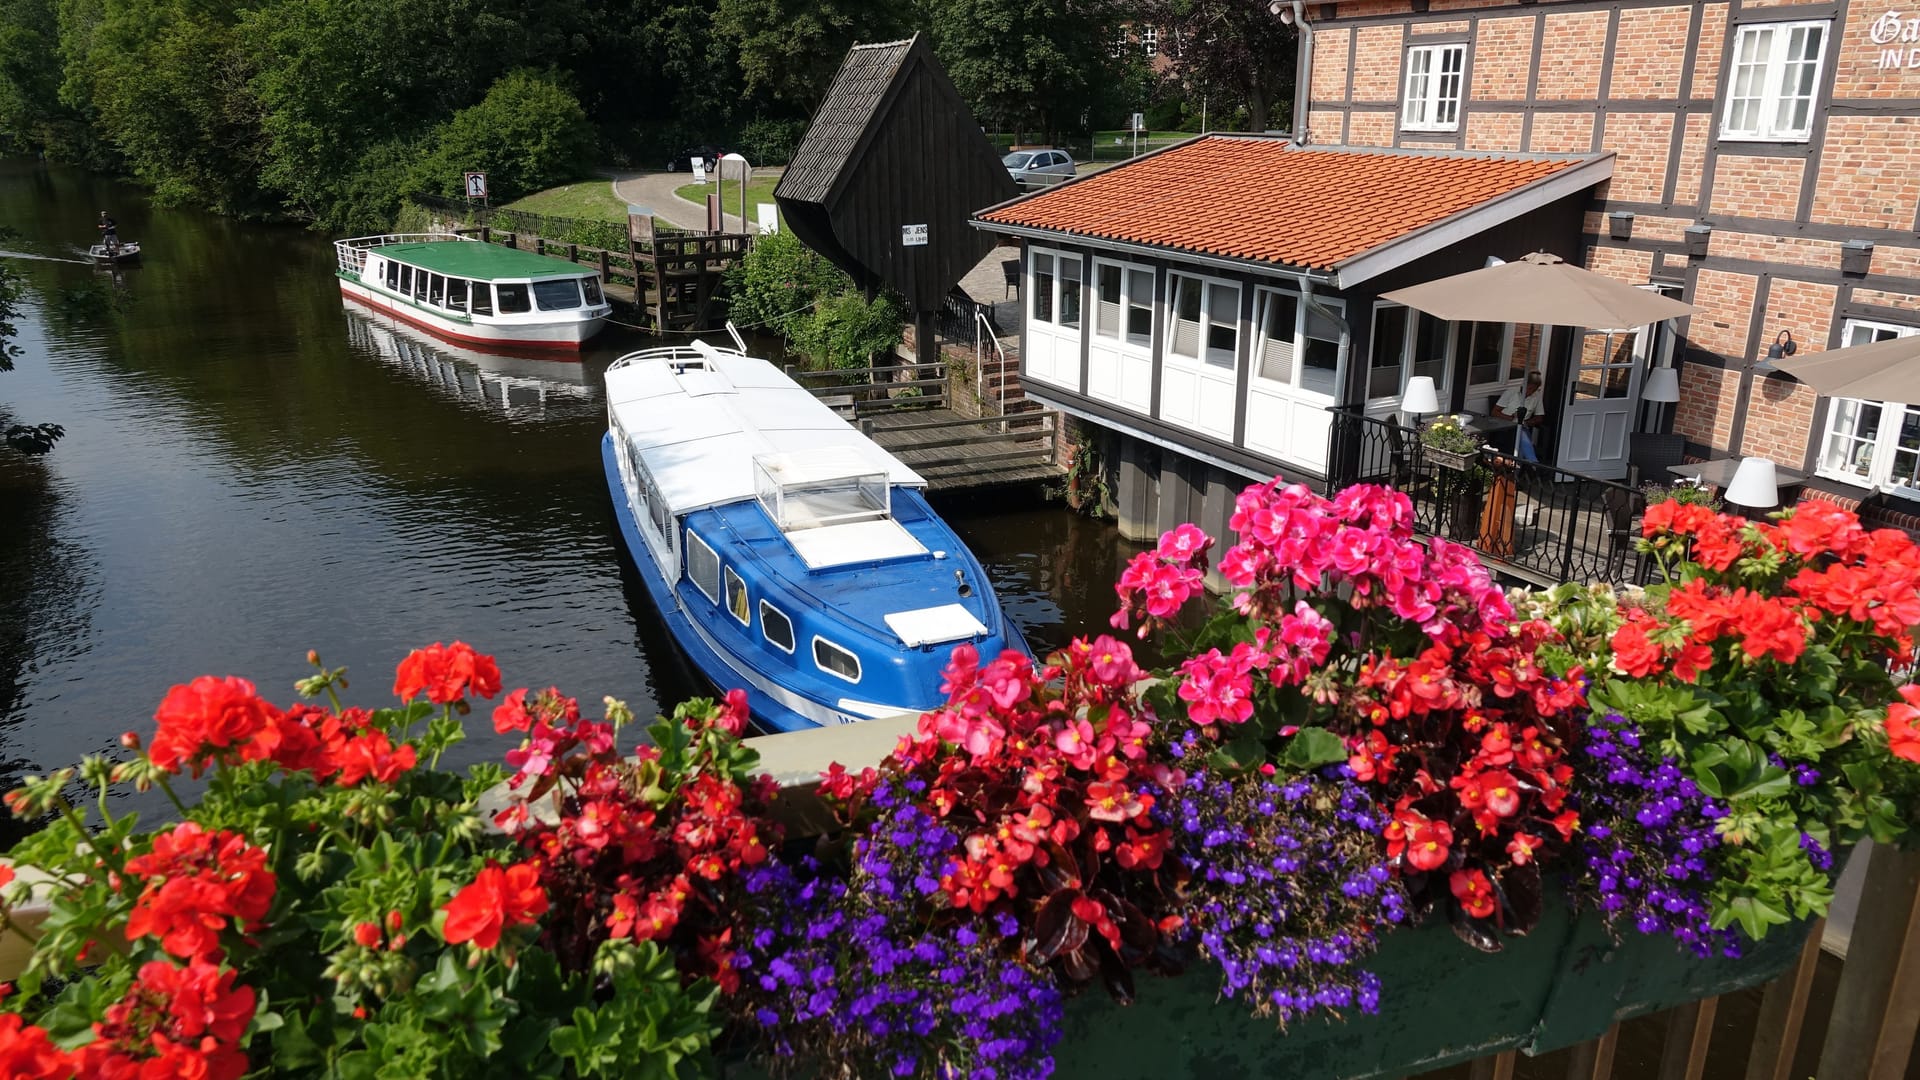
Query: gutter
column 1303, row 73
column 1125, row 247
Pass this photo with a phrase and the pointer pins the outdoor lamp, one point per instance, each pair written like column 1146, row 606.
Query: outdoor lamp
column 1420, row 398
column 1663, row 384
column 1754, row 484
column 1783, row 346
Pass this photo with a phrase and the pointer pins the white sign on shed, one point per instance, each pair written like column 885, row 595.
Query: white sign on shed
column 913, row 236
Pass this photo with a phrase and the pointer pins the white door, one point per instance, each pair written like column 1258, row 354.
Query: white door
column 1603, row 396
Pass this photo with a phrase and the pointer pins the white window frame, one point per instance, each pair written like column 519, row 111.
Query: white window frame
column 1057, row 286
column 694, row 540
column 849, row 653
column 1425, row 103
column 1772, row 72
column 1294, row 386
column 1498, row 386
column 784, row 617
column 1206, row 357
column 1150, row 40
column 1128, row 301
column 1885, row 441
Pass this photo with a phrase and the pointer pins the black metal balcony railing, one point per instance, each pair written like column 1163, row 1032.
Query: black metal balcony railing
column 1525, row 519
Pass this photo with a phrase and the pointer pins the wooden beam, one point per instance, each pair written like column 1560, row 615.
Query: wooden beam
column 1689, row 1031
column 1497, row 1067
column 1877, row 1004
column 1593, row 1060
column 1783, row 1008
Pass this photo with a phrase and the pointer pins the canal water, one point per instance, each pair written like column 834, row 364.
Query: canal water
column 252, row 469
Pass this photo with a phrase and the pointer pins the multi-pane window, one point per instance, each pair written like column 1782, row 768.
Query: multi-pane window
column 1776, row 76
column 1054, row 290
column 1299, row 348
column 1432, row 100
column 1206, row 321
column 1408, row 343
column 1875, row 444
column 1150, row 41
column 1124, row 298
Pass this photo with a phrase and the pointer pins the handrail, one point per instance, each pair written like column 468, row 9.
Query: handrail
column 983, row 333
column 351, row 254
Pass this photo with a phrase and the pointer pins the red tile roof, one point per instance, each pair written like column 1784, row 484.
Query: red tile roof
column 1259, row 199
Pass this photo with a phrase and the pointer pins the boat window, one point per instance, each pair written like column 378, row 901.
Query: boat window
column 482, row 298
column 592, row 287
column 420, row 284
column 703, row 566
column 737, row 596
column 437, row 290
column 835, row 660
column 777, row 628
column 556, row 295
column 513, row 298
column 457, row 293
column 406, row 280
column 393, row 273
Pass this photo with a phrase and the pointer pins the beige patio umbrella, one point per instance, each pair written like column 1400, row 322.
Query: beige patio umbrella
column 1881, row 371
column 1540, row 288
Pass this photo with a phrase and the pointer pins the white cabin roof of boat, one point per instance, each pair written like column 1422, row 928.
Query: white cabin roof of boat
column 699, row 418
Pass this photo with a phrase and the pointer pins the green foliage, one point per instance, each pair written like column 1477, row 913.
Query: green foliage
column 771, row 140
column 1031, row 64
column 778, row 283
column 789, row 49
column 26, row 438
column 649, row 1029
column 846, row 330
column 527, row 134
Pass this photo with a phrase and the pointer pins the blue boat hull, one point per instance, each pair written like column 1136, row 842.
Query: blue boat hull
column 786, row 698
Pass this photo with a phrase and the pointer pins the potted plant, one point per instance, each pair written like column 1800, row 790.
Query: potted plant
column 1450, row 445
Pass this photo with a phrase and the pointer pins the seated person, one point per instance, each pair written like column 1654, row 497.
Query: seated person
column 1527, row 408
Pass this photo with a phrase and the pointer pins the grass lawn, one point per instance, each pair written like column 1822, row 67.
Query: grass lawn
column 759, row 190
column 589, row 199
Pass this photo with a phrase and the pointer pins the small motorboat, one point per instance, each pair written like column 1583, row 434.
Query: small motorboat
column 126, row 251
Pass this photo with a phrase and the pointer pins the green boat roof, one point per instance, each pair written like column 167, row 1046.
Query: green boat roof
column 476, row 259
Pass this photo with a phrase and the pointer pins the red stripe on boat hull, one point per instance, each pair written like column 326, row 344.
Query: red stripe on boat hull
column 375, row 302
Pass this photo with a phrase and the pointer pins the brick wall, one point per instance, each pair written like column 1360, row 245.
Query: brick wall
column 1859, row 178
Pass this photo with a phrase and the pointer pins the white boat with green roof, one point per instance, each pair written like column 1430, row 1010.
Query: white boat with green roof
column 473, row 292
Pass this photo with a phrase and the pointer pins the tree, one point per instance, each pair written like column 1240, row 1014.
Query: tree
column 529, row 133
column 1029, row 64
column 1234, row 51
column 789, row 49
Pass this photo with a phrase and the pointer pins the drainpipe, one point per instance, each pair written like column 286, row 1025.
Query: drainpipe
column 1303, row 74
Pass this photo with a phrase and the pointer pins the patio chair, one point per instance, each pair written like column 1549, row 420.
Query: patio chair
column 1010, row 271
column 1648, row 456
column 1617, row 505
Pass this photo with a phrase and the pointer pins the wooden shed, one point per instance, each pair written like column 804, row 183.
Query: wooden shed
column 888, row 175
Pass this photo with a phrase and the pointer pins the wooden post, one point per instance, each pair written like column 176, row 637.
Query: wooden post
column 573, row 253
column 1593, row 1060
column 513, row 241
column 1877, row 1004
column 539, row 245
column 486, row 234
column 606, row 269
column 1689, row 1031
column 1776, row 1031
column 926, row 347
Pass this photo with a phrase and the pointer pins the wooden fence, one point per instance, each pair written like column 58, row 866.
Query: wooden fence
column 861, row 391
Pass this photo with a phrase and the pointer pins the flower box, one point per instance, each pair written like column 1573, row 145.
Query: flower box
column 1458, row 461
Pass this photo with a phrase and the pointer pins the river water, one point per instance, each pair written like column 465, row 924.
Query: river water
column 252, row 469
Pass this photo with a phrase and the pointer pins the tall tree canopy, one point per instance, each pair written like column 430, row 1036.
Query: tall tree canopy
column 1230, row 50
column 1030, row 64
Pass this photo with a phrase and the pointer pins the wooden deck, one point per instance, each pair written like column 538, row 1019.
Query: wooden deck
column 955, row 453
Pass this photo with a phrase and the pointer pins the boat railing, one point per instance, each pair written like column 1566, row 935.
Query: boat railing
column 351, row 254
column 674, row 354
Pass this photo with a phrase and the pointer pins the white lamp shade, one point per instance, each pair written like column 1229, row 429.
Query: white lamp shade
column 1420, row 398
column 1663, row 384
column 1754, row 484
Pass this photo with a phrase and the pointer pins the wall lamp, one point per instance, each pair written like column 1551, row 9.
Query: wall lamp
column 1620, row 225
column 1697, row 237
column 1783, row 346
column 1856, row 257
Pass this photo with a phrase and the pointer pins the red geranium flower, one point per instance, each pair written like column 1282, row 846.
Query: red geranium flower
column 447, row 673
column 207, row 715
column 372, row 754
column 1902, row 740
column 497, row 898
column 27, row 1054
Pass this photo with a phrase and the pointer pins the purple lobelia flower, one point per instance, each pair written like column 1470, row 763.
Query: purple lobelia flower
column 1649, row 841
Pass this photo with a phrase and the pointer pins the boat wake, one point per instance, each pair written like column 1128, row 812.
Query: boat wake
column 43, row 258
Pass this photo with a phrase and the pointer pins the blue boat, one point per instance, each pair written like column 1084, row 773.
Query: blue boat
column 789, row 554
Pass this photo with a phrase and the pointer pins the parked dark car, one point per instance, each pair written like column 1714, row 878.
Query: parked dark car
column 683, row 161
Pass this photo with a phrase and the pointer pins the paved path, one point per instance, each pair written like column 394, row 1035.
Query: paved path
column 654, row 190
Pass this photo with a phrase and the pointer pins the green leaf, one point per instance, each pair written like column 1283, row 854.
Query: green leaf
column 1312, row 747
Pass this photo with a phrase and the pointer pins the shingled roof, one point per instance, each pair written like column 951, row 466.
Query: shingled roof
column 1260, row 200
column 849, row 107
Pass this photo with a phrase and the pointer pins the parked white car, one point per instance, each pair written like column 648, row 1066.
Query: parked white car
column 1038, row 168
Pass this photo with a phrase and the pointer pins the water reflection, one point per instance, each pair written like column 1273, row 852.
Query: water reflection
column 252, row 469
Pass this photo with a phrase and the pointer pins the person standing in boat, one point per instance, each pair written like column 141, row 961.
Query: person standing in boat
column 109, row 233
